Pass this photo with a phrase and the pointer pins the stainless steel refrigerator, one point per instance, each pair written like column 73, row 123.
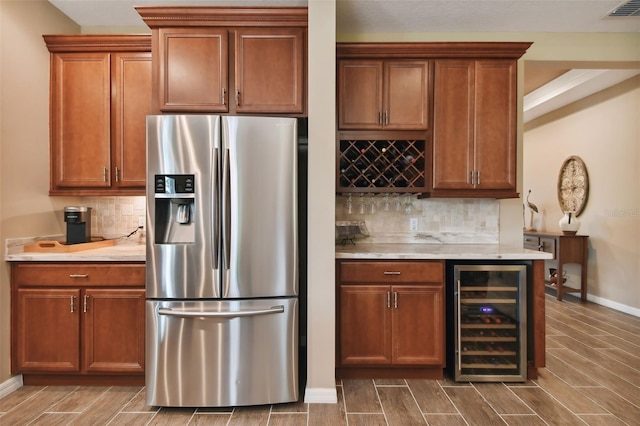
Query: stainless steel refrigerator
column 222, row 261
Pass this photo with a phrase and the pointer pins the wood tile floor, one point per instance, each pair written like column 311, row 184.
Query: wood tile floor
column 592, row 377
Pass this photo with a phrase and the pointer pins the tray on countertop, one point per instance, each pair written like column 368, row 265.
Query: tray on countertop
column 52, row 246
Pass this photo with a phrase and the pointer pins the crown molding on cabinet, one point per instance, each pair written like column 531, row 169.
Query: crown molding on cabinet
column 156, row 17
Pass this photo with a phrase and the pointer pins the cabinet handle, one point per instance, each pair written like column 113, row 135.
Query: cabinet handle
column 73, row 298
column 541, row 247
column 380, row 118
column 395, row 300
column 84, row 303
column 117, row 174
column 104, row 173
column 388, row 299
column 386, row 118
column 224, row 92
column 478, row 177
column 391, row 272
column 78, row 275
column 237, row 97
column 471, row 176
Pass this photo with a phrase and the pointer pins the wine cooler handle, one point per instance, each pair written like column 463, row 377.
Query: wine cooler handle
column 456, row 295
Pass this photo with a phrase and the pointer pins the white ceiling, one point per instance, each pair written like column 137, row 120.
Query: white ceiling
column 407, row 16
column 391, row 16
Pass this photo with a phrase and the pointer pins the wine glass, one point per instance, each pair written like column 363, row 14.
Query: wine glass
column 397, row 203
column 372, row 203
column 386, row 203
column 361, row 204
column 348, row 205
column 408, row 204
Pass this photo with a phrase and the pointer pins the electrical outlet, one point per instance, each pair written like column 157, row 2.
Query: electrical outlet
column 413, row 224
column 141, row 220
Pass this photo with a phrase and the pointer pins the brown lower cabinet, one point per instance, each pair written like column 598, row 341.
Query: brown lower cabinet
column 391, row 319
column 78, row 323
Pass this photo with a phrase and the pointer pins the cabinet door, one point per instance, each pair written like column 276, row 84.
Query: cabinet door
column 269, row 70
column 365, row 325
column 80, row 120
column 495, row 124
column 360, row 94
column 453, row 129
column 131, row 104
column 113, row 330
column 48, row 330
column 406, row 95
column 193, row 69
column 418, row 324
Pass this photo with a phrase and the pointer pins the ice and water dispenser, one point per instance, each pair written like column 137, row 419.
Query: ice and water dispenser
column 175, row 209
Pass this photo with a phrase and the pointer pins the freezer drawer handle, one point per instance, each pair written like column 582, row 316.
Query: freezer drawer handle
column 229, row 314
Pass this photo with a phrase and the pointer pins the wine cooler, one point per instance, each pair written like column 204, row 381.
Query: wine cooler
column 488, row 330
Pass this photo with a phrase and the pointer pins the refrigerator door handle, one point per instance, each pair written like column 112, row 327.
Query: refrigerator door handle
column 225, row 206
column 215, row 185
column 278, row 309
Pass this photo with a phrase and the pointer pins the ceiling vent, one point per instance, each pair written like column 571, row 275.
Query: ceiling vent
column 630, row 8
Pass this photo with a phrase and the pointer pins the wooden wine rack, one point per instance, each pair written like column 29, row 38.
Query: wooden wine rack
column 394, row 165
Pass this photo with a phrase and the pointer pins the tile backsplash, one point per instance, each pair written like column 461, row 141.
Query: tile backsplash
column 115, row 216
column 439, row 221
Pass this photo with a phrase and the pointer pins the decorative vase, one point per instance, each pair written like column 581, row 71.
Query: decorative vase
column 569, row 224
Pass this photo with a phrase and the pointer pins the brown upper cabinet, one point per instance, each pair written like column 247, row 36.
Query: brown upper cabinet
column 376, row 94
column 474, row 132
column 456, row 101
column 228, row 60
column 100, row 96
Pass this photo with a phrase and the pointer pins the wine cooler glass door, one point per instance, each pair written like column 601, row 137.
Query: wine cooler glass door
column 490, row 311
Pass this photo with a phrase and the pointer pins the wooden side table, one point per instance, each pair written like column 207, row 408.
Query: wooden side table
column 565, row 249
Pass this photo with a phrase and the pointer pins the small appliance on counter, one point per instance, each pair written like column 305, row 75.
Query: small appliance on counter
column 78, row 219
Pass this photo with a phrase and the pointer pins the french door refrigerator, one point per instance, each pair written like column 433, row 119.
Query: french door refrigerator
column 222, row 261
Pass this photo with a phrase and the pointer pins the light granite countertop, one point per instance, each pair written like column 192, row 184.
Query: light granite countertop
column 437, row 251
column 124, row 250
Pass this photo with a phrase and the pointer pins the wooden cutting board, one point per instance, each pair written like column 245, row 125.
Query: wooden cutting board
column 52, row 246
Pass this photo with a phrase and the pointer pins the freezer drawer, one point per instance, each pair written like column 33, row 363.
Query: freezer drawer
column 221, row 353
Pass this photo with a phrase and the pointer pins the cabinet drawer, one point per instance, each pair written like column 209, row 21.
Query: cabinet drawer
column 79, row 274
column 531, row 243
column 394, row 272
column 548, row 245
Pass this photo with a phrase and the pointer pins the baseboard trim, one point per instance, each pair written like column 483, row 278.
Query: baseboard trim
column 614, row 305
column 14, row 383
column 321, row 396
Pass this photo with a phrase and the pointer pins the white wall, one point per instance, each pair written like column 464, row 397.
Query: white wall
column 25, row 206
column 604, row 130
column 321, row 252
